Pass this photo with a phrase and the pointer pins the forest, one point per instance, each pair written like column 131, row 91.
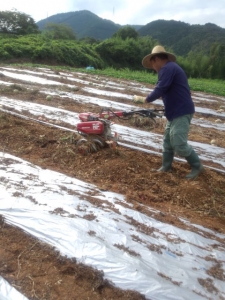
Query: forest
column 57, row 44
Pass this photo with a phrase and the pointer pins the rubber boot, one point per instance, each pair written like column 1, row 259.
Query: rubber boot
column 167, row 159
column 196, row 165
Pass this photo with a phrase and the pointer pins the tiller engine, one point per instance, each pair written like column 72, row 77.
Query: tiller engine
column 96, row 128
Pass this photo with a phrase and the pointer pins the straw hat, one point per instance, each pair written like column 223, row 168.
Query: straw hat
column 156, row 50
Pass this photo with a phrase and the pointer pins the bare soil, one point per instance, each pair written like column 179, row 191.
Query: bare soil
column 39, row 271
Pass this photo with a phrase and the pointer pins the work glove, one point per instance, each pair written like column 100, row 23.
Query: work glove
column 139, row 99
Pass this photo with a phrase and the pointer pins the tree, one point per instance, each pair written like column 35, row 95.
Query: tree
column 146, row 44
column 120, row 53
column 217, row 61
column 89, row 40
column 59, row 32
column 126, row 32
column 17, row 23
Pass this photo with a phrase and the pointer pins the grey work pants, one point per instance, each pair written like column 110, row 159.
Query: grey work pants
column 176, row 136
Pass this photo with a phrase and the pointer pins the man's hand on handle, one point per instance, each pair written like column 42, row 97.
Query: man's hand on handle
column 139, row 99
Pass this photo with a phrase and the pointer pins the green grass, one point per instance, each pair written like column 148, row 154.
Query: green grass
column 214, row 87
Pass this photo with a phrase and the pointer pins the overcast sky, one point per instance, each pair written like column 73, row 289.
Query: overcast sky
column 129, row 12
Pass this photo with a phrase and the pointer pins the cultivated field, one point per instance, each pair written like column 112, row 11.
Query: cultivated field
column 105, row 224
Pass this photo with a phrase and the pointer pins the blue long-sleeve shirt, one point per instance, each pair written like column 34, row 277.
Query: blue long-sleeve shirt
column 173, row 87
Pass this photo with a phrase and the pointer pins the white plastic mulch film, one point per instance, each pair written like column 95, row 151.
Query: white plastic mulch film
column 7, row 292
column 100, row 229
column 98, row 93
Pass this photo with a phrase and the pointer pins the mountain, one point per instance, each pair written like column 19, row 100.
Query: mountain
column 84, row 23
column 179, row 36
column 183, row 37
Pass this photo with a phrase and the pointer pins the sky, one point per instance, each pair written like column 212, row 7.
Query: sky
column 125, row 12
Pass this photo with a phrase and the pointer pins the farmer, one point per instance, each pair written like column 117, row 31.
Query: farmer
column 173, row 87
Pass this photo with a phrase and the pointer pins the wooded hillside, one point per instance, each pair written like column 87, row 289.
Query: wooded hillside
column 180, row 36
column 183, row 37
column 84, row 23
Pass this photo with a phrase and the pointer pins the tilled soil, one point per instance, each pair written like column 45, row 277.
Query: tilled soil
column 40, row 272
